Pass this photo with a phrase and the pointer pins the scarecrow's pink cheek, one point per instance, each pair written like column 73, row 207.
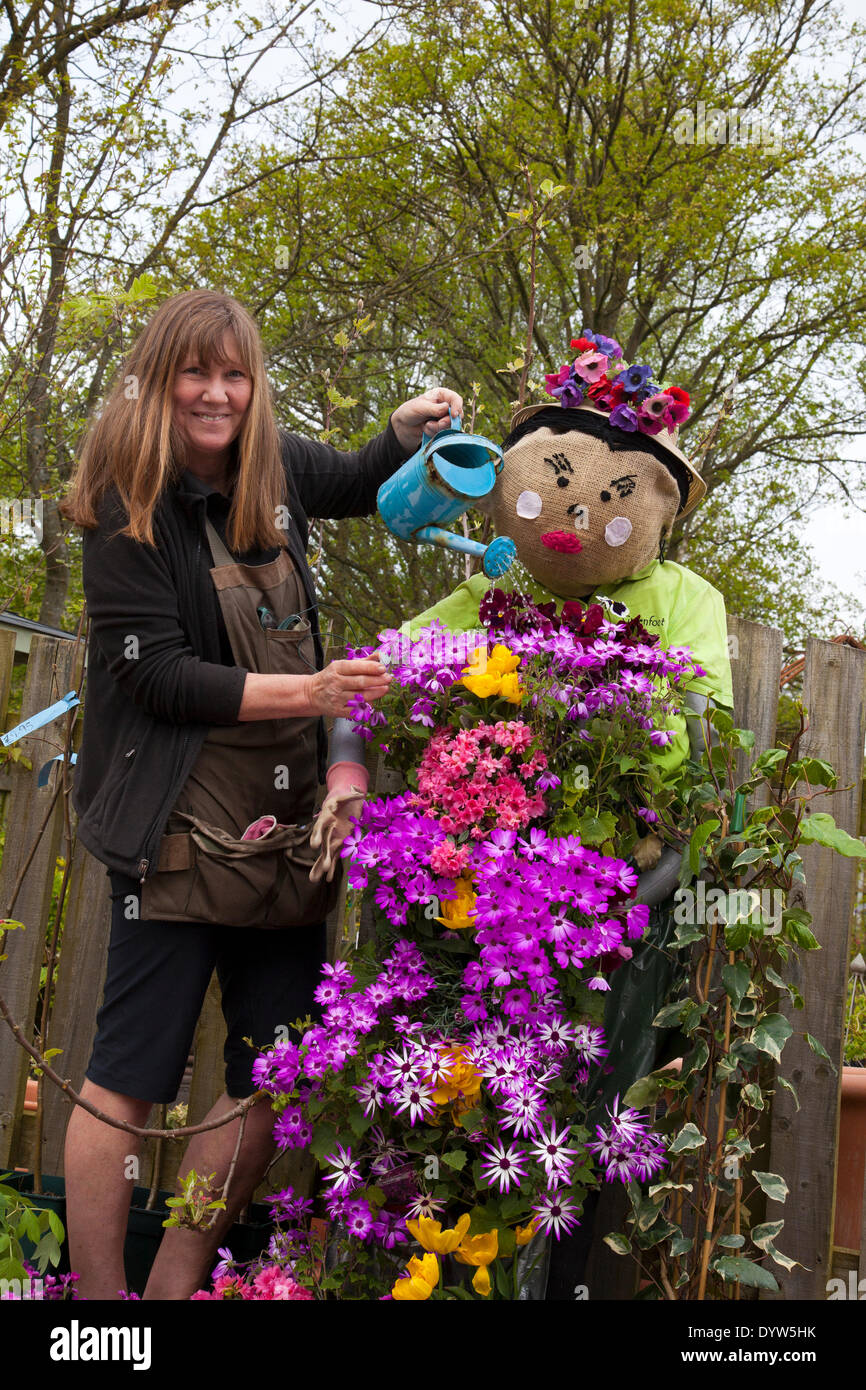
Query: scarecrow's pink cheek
column 562, row 541
column 617, row 532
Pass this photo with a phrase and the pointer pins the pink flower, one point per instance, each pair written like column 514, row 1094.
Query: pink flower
column 590, row 366
column 274, row 1283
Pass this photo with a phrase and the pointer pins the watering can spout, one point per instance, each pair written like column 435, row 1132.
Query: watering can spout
column 449, row 474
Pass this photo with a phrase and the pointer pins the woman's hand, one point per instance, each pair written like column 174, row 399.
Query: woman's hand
column 428, row 413
column 330, row 690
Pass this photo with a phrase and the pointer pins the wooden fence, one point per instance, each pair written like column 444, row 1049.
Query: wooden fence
column 802, row 1146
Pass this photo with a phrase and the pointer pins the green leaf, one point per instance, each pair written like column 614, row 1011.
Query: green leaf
column 819, row 1050
column 769, row 761
column 698, row 840
column 670, row 1014
column 765, row 1234
column 644, row 1091
column 617, row 1243
column 593, row 829
column 819, row 773
column 780, row 1081
column 681, row 1245
column 688, row 1138
column 737, row 936
column 732, row 1242
column 735, row 1269
column 696, row 1060
column 749, row 856
column 753, row 1097
column 324, row 1140
column 775, row 1186
column 821, row 829
column 456, row 1159
column 736, row 979
column 771, row 1035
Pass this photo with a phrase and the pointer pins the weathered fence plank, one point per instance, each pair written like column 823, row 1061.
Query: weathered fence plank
column 51, row 672
column 804, row 1144
column 84, row 950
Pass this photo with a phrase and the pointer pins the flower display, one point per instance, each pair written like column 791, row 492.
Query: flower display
column 599, row 376
column 445, row 1085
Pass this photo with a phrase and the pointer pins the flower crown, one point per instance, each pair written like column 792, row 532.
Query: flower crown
column 599, row 377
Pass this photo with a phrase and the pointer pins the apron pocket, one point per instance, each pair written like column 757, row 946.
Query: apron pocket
column 206, row 875
column 291, row 652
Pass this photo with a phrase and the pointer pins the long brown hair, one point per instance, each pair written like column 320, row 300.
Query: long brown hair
column 134, row 445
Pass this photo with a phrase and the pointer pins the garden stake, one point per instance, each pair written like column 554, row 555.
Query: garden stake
column 157, row 1161
column 720, row 1134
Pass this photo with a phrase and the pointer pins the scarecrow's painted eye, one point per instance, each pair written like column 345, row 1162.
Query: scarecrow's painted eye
column 528, row 505
column 605, row 496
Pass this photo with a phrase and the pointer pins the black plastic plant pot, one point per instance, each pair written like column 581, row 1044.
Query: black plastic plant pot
column 145, row 1229
column 51, row 1198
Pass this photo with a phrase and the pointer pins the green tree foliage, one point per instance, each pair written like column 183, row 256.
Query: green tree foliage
column 708, row 260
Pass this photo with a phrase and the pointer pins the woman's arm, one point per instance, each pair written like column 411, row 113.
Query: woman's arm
column 337, row 484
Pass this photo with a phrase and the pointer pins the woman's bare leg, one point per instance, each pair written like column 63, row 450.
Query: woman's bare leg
column 99, row 1183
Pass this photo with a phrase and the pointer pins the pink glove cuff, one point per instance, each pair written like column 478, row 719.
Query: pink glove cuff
column 341, row 777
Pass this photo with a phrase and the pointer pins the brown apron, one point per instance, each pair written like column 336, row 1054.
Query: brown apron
column 205, row 872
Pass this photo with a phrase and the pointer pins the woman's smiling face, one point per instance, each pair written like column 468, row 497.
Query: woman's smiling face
column 209, row 404
column 581, row 514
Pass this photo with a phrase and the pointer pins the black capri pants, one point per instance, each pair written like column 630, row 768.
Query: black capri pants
column 157, row 978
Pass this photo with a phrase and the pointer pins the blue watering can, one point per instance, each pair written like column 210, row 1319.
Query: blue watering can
column 443, row 479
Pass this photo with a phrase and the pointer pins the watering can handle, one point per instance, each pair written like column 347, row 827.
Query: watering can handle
column 425, row 438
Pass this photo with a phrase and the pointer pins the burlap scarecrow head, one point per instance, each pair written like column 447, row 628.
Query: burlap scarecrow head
column 590, row 488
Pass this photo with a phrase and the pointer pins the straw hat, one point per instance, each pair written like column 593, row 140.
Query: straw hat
column 697, row 486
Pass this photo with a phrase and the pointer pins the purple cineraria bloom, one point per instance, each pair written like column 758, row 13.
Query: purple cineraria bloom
column 346, row 1175
column 290, row 1127
column 546, row 780
column 648, row 815
column 358, row 1217
column 417, row 1098
column 555, row 1213
column 425, row 1205
column 503, row 1166
column 553, row 1152
column 589, row 1042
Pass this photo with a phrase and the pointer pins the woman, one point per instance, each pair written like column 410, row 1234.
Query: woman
column 204, row 706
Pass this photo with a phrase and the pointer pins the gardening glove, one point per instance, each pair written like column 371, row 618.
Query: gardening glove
column 347, row 785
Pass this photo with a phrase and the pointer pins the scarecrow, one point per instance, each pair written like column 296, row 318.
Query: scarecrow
column 590, row 489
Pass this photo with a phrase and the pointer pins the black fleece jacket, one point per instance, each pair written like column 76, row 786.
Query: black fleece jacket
column 156, row 681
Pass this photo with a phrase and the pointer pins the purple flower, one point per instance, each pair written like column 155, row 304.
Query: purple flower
column 623, row 417
column 503, row 1166
column 633, row 379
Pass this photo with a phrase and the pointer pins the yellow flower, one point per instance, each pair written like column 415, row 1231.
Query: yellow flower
column 458, row 911
column 430, row 1235
column 411, row 1290
column 501, row 660
column 510, row 689
column 479, row 1251
column 494, row 674
column 482, row 686
column 523, row 1234
column 426, row 1268
column 423, row 1278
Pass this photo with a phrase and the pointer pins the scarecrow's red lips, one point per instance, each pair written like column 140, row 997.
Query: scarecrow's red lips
column 564, row 541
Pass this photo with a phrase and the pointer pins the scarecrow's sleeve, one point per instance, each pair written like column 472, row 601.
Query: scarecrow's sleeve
column 458, row 612
column 698, row 620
